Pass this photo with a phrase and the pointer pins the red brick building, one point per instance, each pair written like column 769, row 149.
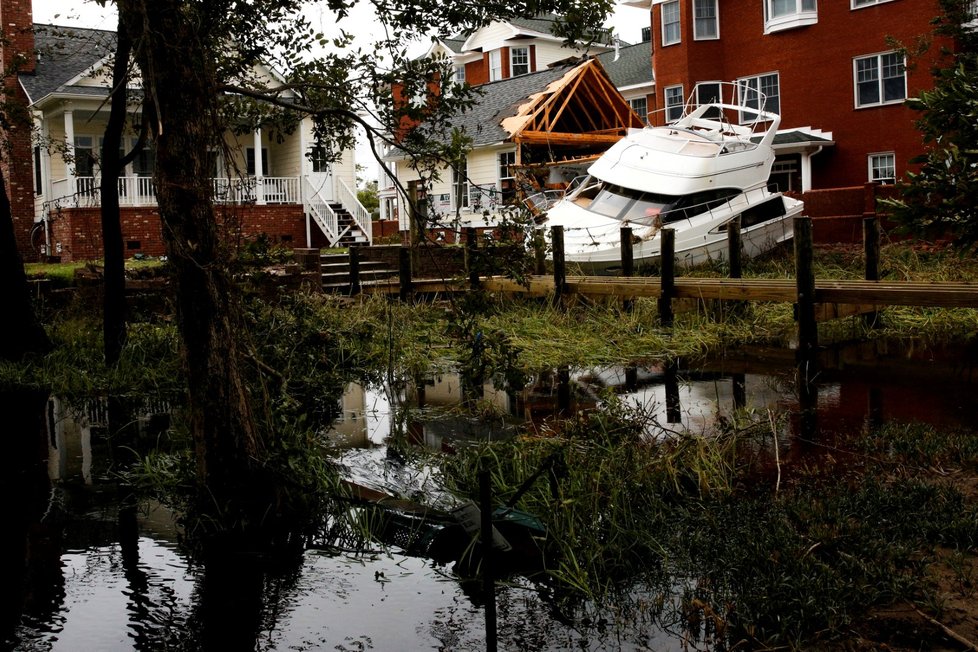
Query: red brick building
column 833, row 69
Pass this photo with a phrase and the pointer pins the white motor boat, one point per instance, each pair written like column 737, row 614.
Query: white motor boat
column 694, row 175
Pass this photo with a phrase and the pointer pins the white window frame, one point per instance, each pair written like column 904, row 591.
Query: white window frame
column 754, row 84
column 643, row 111
column 672, row 4
column 880, row 80
column 512, row 60
column 700, row 84
column 495, row 65
column 713, row 19
column 672, row 107
column 805, row 13
column 460, row 185
column 460, row 74
column 872, row 161
column 862, row 4
column 504, row 170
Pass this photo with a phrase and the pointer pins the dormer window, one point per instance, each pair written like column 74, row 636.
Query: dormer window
column 519, row 61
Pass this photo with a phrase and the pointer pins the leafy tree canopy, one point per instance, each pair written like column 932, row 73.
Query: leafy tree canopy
column 938, row 199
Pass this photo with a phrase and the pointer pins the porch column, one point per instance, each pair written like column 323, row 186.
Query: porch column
column 259, row 170
column 70, row 150
column 806, row 170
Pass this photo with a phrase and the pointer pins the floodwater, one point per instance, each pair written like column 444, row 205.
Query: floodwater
column 85, row 570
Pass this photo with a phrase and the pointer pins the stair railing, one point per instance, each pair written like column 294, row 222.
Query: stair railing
column 361, row 216
column 322, row 213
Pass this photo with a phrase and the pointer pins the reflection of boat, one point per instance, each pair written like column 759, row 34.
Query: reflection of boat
column 694, row 175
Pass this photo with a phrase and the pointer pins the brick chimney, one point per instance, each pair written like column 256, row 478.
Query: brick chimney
column 17, row 23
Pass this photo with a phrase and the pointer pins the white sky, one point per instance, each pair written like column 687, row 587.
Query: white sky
column 628, row 21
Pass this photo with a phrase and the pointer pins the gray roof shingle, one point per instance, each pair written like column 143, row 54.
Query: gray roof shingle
column 62, row 54
column 634, row 65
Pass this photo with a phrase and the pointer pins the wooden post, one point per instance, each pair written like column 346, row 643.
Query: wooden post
column 871, row 247
column 539, row 252
column 627, row 262
column 560, row 268
column 805, row 279
column 471, row 253
column 674, row 412
column 407, row 237
column 488, row 582
column 404, row 264
column 667, row 265
column 734, row 247
column 354, row 271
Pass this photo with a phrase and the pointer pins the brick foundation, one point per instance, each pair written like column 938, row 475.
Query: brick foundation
column 76, row 233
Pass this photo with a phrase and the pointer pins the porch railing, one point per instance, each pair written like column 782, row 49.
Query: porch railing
column 141, row 191
column 322, row 213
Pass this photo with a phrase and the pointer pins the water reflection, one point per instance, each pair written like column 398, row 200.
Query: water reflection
column 90, row 569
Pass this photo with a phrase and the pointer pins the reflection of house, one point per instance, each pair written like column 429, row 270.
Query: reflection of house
column 272, row 183
column 526, row 131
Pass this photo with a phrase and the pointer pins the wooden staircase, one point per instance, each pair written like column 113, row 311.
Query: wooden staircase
column 350, row 234
column 336, row 272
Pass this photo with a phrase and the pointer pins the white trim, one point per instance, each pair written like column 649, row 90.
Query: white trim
column 634, row 87
column 800, row 17
column 529, row 67
column 766, row 106
column 665, row 101
column 879, row 80
column 716, row 22
column 678, row 22
column 872, row 3
column 869, row 167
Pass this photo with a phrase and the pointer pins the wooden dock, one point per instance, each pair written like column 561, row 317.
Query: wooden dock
column 853, row 293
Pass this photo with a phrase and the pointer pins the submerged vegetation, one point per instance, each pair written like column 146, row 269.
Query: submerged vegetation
column 712, row 534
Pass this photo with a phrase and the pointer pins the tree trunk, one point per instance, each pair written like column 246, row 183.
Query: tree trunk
column 114, row 301
column 24, row 334
column 178, row 76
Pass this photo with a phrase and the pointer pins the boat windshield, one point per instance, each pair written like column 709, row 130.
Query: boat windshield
column 625, row 203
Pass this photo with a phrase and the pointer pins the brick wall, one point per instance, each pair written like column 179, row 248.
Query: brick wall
column 815, row 68
column 76, row 233
column 17, row 23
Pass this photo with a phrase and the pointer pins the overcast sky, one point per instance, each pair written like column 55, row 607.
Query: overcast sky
column 628, row 21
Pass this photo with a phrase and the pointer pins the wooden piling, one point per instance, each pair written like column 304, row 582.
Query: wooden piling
column 471, row 252
column 488, row 581
column 354, row 271
column 805, row 284
column 734, row 248
column 667, row 273
column 404, row 267
column 627, row 262
column 871, row 249
column 560, row 265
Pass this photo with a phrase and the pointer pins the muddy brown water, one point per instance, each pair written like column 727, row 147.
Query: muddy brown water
column 84, row 571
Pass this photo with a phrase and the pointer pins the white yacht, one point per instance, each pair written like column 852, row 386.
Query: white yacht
column 694, row 175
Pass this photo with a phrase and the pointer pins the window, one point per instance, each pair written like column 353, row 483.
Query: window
column 640, row 105
column 880, row 79
column 318, row 158
column 760, row 92
column 707, row 93
column 674, row 103
column 705, row 25
column 38, row 179
column 882, row 167
column 519, row 61
column 857, row 4
column 460, row 184
column 495, row 65
column 251, row 161
column 145, row 162
column 787, row 14
column 670, row 23
column 460, row 75
column 507, row 176
column 84, row 156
